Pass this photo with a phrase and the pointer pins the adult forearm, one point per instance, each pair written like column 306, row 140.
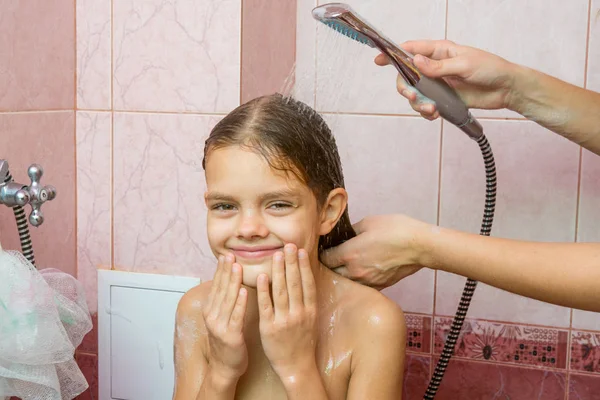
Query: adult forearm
column 215, row 387
column 565, row 274
column 566, row 109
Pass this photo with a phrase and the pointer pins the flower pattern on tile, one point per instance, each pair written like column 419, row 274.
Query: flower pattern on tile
column 585, row 351
column 177, row 56
column 505, row 343
column 419, row 333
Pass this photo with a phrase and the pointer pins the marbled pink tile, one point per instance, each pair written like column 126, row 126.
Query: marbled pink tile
column 593, row 67
column 159, row 210
column 505, row 343
column 93, row 199
column 416, row 376
column 586, row 320
column 93, row 54
column 585, row 351
column 347, row 78
column 47, row 139
column 88, row 364
column 584, row 387
column 537, row 174
column 268, row 50
column 176, row 56
column 306, row 40
column 518, row 31
column 589, row 212
column 419, row 333
column 474, row 380
column 391, row 165
column 38, row 58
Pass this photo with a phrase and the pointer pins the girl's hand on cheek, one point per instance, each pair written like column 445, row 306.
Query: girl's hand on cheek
column 288, row 327
column 224, row 318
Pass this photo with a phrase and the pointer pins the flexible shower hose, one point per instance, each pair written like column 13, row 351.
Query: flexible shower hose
column 23, row 227
column 463, row 307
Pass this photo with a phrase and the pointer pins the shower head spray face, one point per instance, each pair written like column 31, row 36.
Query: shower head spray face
column 343, row 19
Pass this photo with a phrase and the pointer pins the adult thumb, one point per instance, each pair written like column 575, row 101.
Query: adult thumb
column 438, row 68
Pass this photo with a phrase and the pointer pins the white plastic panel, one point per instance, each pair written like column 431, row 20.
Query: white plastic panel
column 136, row 323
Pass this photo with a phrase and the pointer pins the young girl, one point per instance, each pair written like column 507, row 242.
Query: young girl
column 275, row 323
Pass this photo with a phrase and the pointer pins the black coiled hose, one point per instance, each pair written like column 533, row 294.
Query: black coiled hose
column 23, row 227
column 463, row 307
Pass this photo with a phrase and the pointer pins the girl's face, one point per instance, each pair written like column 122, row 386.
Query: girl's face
column 254, row 210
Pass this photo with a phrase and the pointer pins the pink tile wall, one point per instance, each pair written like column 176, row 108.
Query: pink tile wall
column 45, row 138
column 268, row 46
column 37, row 123
column 38, row 54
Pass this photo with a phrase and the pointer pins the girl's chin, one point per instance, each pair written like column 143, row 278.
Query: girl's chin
column 251, row 273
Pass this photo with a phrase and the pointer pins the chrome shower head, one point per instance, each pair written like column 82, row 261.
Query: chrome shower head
column 342, row 18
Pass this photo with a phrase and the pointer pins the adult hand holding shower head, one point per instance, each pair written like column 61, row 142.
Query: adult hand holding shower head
column 342, row 18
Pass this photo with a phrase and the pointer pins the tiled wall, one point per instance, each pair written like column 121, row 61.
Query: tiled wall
column 37, row 120
column 548, row 189
column 121, row 111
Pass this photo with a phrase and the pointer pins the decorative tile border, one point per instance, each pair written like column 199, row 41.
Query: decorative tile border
column 506, row 343
column 585, row 351
column 418, row 333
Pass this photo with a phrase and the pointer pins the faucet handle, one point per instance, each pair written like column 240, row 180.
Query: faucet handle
column 38, row 194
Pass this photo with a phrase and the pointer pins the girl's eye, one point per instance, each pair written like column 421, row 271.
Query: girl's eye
column 279, row 206
column 223, row 207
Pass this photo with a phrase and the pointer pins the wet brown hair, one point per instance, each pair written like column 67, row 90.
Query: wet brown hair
column 293, row 137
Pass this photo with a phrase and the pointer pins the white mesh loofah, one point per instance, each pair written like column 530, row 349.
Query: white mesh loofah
column 43, row 319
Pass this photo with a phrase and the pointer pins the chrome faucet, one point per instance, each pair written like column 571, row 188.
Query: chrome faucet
column 16, row 194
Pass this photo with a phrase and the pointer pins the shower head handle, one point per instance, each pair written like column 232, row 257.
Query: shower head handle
column 342, row 18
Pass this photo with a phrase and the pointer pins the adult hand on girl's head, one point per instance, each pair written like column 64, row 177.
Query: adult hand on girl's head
column 288, row 328
column 387, row 248
column 224, row 319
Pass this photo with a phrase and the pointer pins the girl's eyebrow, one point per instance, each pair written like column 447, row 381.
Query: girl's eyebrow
column 218, row 196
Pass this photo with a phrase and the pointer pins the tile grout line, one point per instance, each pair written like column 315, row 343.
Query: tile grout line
column 75, row 174
column 578, row 201
column 241, row 49
column 112, row 138
column 439, row 203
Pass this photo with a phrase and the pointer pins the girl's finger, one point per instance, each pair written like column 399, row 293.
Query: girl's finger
column 308, row 280
column 235, row 283
column 292, row 276
column 239, row 311
column 265, row 309
column 280, row 294
column 216, row 281
column 223, row 283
